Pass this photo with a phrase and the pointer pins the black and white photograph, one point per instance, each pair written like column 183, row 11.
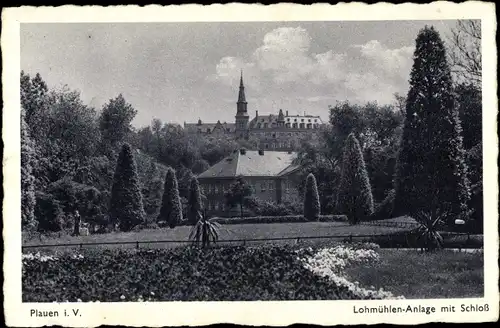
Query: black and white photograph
column 235, row 160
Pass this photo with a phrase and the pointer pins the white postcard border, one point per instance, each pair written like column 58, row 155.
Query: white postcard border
column 248, row 313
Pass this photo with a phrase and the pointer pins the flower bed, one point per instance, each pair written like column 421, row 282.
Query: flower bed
column 279, row 219
column 188, row 274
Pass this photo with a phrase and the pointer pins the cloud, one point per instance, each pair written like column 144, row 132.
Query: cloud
column 283, row 69
column 391, row 61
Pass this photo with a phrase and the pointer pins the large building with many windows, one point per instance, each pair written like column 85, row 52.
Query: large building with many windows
column 272, row 175
column 280, row 132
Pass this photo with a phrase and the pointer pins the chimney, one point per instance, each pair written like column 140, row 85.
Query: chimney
column 256, row 113
column 243, row 151
column 286, row 113
column 261, row 152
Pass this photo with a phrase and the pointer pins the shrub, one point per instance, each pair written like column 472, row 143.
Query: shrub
column 171, row 208
column 354, row 195
column 280, row 219
column 269, row 208
column 311, row 199
column 48, row 213
column 126, row 206
column 194, row 201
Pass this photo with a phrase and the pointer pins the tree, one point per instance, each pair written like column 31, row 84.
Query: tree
column 312, row 206
column 34, row 101
column 465, row 52
column 126, row 206
column 194, row 201
column 239, row 192
column 115, row 120
column 354, row 197
column 431, row 170
column 28, row 198
column 171, row 208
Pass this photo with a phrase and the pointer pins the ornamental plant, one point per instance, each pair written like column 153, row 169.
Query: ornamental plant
column 171, row 208
column 126, row 206
column 312, row 206
column 354, row 197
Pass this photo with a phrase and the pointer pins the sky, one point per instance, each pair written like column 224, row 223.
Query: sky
column 182, row 72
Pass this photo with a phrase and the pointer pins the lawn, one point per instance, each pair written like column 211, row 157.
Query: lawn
column 444, row 274
column 228, row 232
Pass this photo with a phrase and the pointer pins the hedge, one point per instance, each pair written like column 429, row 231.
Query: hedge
column 280, row 219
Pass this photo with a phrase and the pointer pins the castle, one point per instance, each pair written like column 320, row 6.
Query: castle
column 281, row 132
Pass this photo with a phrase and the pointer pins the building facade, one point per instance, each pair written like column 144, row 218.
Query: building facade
column 271, row 174
column 278, row 132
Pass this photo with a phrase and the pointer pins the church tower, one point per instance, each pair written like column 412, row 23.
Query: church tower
column 241, row 111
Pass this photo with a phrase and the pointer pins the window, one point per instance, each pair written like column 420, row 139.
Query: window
column 258, row 125
column 266, row 146
column 263, row 186
column 302, row 120
column 274, row 135
column 216, row 189
column 294, row 125
column 288, row 125
column 265, row 125
column 287, row 185
column 271, row 186
column 217, row 206
column 301, row 125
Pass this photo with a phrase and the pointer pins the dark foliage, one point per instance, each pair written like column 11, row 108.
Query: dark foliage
column 171, row 208
column 126, row 206
column 312, row 206
column 48, row 213
column 431, row 171
column 354, row 194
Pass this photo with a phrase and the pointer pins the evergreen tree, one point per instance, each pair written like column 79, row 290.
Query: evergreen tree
column 126, row 206
column 194, row 201
column 431, row 173
column 312, row 206
column 28, row 198
column 171, row 208
column 354, row 197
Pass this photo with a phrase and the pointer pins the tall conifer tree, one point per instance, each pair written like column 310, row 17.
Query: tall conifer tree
column 354, row 197
column 431, row 172
column 126, row 206
column 171, row 208
column 312, row 206
column 194, row 201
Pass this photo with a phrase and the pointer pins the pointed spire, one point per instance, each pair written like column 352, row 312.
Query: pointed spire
column 241, row 95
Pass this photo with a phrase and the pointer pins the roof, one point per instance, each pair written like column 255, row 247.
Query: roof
column 203, row 127
column 272, row 118
column 269, row 164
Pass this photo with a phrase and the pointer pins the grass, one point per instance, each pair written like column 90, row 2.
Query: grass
column 228, row 232
column 443, row 274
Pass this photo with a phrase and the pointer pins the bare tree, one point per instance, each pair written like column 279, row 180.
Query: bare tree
column 465, row 52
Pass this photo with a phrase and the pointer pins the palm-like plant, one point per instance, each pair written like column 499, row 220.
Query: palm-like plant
column 428, row 230
column 205, row 231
